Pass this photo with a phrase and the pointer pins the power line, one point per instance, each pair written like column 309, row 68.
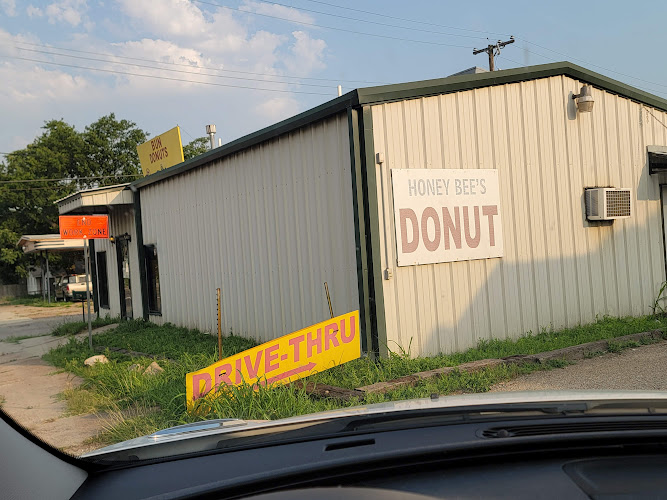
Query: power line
column 334, row 28
column 492, row 33
column 493, row 50
column 165, row 77
column 408, row 20
column 173, row 70
column 370, row 22
column 587, row 63
column 71, row 179
column 197, row 66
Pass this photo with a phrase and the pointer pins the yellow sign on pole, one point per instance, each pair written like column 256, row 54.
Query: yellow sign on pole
column 163, row 151
column 283, row 360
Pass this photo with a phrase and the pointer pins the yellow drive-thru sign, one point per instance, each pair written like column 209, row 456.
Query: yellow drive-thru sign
column 283, row 360
column 163, row 151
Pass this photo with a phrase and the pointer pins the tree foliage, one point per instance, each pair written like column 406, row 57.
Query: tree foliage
column 58, row 163
column 195, row 147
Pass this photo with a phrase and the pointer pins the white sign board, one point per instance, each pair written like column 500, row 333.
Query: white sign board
column 446, row 215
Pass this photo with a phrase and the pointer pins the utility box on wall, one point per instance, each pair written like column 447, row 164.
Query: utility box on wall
column 608, row 203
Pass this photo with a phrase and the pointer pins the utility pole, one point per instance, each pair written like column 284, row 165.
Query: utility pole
column 493, row 50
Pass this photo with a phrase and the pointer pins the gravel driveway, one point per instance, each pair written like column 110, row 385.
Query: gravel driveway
column 639, row 368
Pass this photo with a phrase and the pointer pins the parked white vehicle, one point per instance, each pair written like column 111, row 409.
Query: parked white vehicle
column 74, row 287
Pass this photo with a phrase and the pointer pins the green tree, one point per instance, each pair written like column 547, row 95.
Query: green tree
column 195, row 147
column 72, row 161
column 26, row 206
column 111, row 149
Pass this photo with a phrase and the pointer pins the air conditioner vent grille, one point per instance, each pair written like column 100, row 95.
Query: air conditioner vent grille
column 608, row 203
column 618, row 203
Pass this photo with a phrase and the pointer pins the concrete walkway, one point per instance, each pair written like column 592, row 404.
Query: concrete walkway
column 638, row 368
column 29, row 389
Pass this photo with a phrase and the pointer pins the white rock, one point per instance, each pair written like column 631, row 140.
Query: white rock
column 100, row 358
column 153, row 369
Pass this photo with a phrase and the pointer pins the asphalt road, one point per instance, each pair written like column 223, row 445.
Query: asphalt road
column 640, row 368
column 20, row 320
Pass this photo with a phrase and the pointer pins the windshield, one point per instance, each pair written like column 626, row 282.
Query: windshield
column 272, row 210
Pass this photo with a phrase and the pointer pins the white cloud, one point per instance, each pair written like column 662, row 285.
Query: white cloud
column 306, row 54
column 277, row 108
column 70, row 11
column 9, row 7
column 33, row 11
column 275, row 10
column 197, row 43
column 167, row 18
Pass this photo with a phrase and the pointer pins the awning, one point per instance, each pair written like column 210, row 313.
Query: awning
column 95, row 201
column 657, row 159
column 31, row 243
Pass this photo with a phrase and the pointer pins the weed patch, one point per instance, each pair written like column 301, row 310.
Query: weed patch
column 74, row 327
column 130, row 400
column 33, row 302
column 18, row 338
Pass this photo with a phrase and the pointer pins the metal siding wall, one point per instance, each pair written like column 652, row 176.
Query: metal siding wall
column 112, row 274
column 121, row 221
column 268, row 226
column 558, row 270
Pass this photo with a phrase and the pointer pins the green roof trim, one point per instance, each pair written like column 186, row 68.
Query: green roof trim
column 412, row 90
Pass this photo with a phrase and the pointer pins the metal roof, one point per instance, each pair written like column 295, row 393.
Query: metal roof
column 412, row 90
column 96, row 200
column 37, row 242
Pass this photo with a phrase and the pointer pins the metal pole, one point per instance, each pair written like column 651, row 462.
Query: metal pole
column 219, row 329
column 326, row 289
column 43, row 290
column 48, row 284
column 90, row 326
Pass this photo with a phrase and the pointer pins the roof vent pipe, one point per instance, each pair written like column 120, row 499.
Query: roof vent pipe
column 340, row 90
column 210, row 130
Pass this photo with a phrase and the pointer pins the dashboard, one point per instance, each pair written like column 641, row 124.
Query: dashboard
column 553, row 457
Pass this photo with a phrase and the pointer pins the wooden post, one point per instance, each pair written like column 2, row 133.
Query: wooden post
column 326, row 290
column 219, row 329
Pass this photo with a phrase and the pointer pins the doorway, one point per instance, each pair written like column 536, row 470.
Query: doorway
column 124, row 281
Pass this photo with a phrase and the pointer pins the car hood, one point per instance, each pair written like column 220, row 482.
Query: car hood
column 465, row 402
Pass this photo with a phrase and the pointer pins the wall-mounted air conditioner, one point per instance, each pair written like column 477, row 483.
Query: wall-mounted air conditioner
column 608, row 203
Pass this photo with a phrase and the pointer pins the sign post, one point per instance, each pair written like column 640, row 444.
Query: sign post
column 86, row 228
column 86, row 247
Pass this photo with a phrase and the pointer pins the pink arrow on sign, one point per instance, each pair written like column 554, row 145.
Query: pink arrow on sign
column 289, row 373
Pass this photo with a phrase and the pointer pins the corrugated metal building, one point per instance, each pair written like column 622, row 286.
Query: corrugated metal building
column 270, row 217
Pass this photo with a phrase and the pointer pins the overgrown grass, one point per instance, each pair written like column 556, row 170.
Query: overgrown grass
column 15, row 339
column 74, row 327
column 365, row 371
column 33, row 301
column 136, row 404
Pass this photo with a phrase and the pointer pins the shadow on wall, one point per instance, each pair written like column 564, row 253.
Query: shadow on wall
column 450, row 307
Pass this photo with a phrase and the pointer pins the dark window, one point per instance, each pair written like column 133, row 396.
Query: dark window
column 153, row 272
column 103, row 279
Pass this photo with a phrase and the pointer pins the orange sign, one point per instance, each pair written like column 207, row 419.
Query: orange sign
column 86, row 227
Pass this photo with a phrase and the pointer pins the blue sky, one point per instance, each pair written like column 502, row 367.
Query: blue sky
column 258, row 44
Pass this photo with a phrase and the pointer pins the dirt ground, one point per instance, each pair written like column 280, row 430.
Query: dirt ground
column 30, row 389
column 10, row 312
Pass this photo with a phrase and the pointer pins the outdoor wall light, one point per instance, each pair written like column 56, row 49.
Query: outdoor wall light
column 584, row 99
column 112, row 240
